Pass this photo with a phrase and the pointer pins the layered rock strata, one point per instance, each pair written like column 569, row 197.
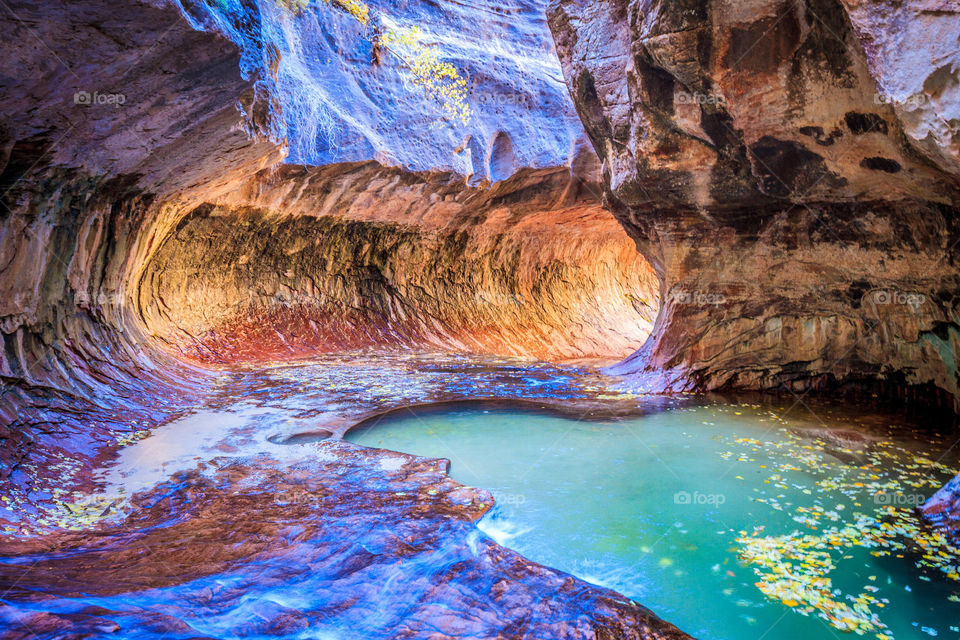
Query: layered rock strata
column 352, row 256
column 774, row 173
column 789, row 168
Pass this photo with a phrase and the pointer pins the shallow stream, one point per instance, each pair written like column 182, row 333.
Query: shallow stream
column 247, row 517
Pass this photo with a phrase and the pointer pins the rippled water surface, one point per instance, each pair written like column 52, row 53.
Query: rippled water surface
column 726, row 520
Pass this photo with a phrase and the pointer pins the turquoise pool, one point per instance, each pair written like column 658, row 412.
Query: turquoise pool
column 727, row 520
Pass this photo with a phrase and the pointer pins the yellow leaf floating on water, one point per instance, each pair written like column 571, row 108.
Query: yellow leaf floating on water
column 794, row 568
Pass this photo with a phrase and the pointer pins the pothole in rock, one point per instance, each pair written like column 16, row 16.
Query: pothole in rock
column 301, row 438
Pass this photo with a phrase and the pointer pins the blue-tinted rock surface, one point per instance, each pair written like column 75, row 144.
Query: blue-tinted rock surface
column 336, row 103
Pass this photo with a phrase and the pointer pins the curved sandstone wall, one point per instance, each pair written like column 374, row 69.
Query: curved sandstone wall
column 354, row 256
column 144, row 198
column 776, row 171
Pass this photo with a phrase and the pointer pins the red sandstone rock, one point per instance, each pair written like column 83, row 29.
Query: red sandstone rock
column 790, row 171
column 799, row 237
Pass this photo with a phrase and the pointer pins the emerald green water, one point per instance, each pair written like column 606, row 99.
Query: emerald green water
column 727, row 520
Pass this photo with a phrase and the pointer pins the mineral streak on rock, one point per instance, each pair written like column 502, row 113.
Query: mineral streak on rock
column 801, row 235
column 790, row 171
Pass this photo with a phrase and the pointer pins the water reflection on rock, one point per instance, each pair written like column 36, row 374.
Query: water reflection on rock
column 235, row 521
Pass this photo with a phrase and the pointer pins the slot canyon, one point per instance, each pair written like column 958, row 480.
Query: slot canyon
column 429, row 319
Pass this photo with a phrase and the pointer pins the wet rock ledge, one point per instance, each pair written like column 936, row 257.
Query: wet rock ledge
column 380, row 543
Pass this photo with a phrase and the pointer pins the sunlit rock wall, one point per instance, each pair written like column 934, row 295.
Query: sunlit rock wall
column 794, row 192
column 318, row 260
column 340, row 99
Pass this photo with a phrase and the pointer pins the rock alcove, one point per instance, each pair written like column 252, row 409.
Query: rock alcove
column 701, row 195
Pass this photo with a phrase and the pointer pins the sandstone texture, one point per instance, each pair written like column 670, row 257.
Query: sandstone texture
column 350, row 257
column 187, row 185
column 338, row 96
column 790, row 171
column 912, row 53
column 802, row 232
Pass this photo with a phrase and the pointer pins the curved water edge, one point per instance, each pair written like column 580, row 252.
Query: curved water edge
column 206, row 527
column 674, row 510
column 211, row 526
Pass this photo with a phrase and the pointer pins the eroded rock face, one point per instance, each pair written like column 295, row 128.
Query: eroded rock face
column 802, row 231
column 139, row 151
column 913, row 56
column 81, row 180
column 398, row 260
column 341, row 97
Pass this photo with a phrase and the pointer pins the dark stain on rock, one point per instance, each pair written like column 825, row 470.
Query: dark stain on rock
column 784, row 166
column 943, row 329
column 26, row 155
column 657, row 85
column 877, row 163
column 619, row 11
column 762, row 46
column 732, row 174
column 855, row 292
column 825, row 49
column 820, row 136
column 861, row 123
column 829, row 39
column 591, row 112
